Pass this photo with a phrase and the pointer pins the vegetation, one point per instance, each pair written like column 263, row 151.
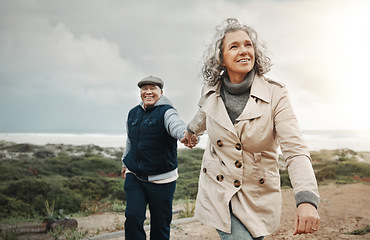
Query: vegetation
column 361, row 231
column 189, row 168
column 188, row 208
column 68, row 234
column 72, row 178
column 10, row 234
column 341, row 166
column 36, row 182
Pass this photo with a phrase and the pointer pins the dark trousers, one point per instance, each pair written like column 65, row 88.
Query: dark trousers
column 159, row 197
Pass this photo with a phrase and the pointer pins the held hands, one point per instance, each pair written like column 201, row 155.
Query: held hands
column 307, row 219
column 189, row 140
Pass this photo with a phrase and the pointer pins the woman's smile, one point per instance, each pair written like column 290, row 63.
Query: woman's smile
column 238, row 55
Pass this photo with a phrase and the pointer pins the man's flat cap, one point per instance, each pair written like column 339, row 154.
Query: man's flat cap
column 152, row 81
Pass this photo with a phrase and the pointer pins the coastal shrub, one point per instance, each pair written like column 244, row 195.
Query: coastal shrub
column 10, row 234
column 186, row 187
column 284, row 179
column 69, row 201
column 71, row 177
column 36, row 191
column 118, row 207
column 189, row 167
column 327, row 173
column 11, row 170
column 31, row 191
column 116, row 190
column 43, row 153
column 343, row 171
column 65, row 180
column 15, row 208
column 24, row 147
column 118, row 155
column 354, row 168
column 102, row 164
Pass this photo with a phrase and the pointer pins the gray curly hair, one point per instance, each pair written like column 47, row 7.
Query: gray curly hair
column 213, row 57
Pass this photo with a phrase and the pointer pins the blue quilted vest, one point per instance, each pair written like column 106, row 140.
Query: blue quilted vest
column 153, row 151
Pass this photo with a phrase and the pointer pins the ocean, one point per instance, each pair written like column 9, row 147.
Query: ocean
column 316, row 140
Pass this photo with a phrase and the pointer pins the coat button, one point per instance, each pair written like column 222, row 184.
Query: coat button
column 262, row 181
column 238, row 146
column 237, row 183
column 205, row 170
column 219, row 143
column 220, row 177
column 238, row 164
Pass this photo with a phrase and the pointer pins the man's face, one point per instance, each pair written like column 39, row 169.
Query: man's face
column 150, row 94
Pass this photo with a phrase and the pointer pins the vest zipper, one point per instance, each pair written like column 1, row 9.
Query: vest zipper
column 138, row 146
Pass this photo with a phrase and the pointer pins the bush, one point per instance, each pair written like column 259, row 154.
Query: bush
column 327, row 173
column 343, row 171
column 284, row 179
column 10, row 234
column 21, row 148
column 44, row 154
column 353, row 168
column 11, row 170
column 15, row 208
column 82, row 178
column 189, row 166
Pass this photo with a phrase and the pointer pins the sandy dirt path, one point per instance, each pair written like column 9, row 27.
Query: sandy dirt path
column 343, row 208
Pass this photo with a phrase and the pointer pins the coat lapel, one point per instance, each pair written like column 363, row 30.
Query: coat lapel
column 259, row 91
column 250, row 111
column 215, row 108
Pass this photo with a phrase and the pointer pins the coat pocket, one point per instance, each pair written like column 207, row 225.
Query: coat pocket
column 265, row 184
column 150, row 122
column 133, row 121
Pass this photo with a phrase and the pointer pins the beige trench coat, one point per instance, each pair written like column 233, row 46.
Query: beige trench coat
column 240, row 162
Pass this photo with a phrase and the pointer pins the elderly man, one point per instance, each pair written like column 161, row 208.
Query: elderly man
column 150, row 161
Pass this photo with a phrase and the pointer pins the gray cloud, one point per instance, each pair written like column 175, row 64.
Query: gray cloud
column 74, row 65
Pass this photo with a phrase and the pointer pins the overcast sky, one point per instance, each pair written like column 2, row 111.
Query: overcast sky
column 73, row 65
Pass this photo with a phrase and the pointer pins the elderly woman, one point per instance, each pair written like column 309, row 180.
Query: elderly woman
column 247, row 117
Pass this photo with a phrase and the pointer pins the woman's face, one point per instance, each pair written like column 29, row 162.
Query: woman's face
column 238, row 55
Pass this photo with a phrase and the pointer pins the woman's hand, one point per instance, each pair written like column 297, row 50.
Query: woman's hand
column 189, row 140
column 307, row 219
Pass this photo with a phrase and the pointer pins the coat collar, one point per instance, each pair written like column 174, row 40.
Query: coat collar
column 259, row 90
column 212, row 103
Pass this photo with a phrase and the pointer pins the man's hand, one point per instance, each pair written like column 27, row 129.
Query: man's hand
column 307, row 219
column 123, row 172
column 189, row 140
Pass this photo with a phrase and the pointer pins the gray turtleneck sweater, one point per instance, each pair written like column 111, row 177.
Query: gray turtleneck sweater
column 235, row 96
